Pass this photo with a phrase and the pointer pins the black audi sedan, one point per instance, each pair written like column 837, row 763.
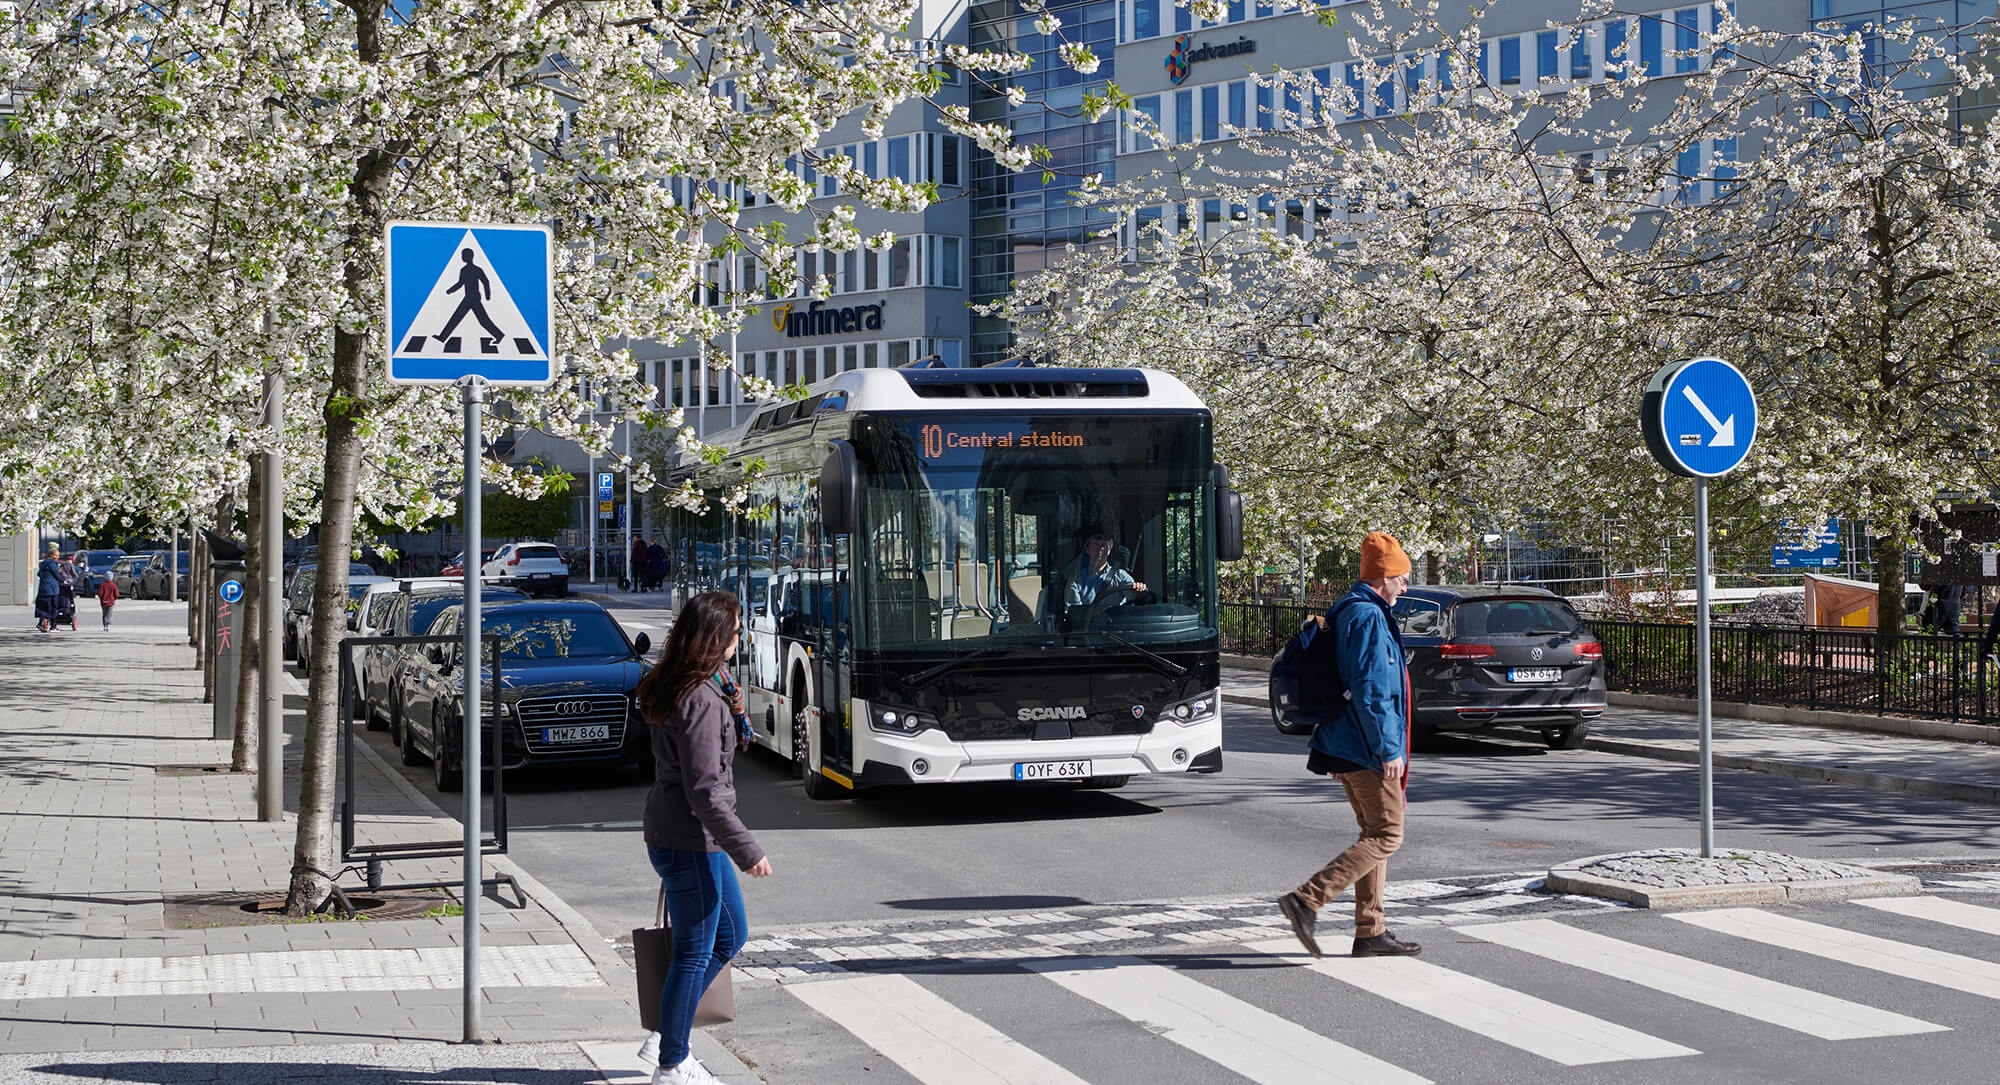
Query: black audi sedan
column 567, row 674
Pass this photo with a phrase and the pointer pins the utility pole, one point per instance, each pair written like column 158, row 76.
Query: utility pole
column 271, row 707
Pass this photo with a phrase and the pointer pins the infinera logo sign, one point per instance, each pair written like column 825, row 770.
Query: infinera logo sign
column 1183, row 59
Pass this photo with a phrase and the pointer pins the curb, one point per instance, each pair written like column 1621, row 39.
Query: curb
column 1571, row 879
column 1843, row 721
column 1879, row 781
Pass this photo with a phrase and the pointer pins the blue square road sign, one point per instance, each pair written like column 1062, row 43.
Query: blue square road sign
column 470, row 299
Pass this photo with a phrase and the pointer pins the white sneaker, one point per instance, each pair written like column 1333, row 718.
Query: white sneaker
column 689, row 1072
column 650, row 1050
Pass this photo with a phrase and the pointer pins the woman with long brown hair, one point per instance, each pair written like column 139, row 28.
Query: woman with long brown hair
column 693, row 836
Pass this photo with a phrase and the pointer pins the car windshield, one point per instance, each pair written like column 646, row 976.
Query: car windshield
column 426, row 606
column 1515, row 617
column 1030, row 528
column 563, row 634
column 98, row 559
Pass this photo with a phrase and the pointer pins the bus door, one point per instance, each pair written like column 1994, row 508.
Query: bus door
column 823, row 600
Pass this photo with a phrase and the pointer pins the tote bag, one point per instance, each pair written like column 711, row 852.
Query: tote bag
column 654, row 949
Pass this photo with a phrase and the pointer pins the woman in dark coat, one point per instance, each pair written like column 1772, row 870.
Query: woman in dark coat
column 694, row 838
column 52, row 578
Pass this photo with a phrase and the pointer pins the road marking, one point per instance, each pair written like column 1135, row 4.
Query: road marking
column 1954, row 913
column 1254, row 1043
column 1968, row 974
column 1751, row 996
column 1556, row 1033
column 930, row 1038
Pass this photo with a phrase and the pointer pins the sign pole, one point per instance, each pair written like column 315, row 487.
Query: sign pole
column 475, row 389
column 1703, row 706
column 590, row 521
column 271, row 709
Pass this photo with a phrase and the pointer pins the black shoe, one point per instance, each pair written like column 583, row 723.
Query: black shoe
column 1303, row 919
column 1385, row 945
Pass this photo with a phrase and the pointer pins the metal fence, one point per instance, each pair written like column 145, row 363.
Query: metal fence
column 1932, row 677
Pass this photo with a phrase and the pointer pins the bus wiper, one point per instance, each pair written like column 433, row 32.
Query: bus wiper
column 1167, row 666
column 931, row 674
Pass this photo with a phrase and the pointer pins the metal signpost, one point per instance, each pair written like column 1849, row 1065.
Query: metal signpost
column 1700, row 418
column 471, row 305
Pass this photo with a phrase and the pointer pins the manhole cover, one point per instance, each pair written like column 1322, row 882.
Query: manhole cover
column 194, row 770
column 201, row 910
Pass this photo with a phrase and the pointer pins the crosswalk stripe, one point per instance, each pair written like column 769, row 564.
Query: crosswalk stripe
column 1249, row 1041
column 1954, row 913
column 1968, row 974
column 1740, row 993
column 1557, row 1033
column 935, row 1041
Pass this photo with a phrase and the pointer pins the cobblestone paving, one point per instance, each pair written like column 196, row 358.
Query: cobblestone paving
column 1665, row 868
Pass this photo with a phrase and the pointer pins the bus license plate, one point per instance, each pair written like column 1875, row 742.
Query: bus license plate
column 558, row 735
column 1051, row 770
column 1534, row 674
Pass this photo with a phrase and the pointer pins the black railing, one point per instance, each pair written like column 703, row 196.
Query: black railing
column 1839, row 670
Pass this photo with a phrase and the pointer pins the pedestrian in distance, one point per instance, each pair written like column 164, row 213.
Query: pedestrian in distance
column 107, row 597
column 693, row 836
column 52, row 583
column 635, row 563
column 656, row 564
column 1364, row 745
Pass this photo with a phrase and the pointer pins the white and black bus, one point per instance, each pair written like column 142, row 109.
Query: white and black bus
column 920, row 606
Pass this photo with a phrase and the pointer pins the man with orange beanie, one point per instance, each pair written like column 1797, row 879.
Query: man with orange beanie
column 1366, row 748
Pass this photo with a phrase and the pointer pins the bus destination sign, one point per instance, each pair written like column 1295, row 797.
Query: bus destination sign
column 941, row 441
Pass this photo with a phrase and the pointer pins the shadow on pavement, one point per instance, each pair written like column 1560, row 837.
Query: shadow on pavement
column 987, row 904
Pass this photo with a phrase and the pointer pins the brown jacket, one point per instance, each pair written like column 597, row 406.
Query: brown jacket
column 692, row 805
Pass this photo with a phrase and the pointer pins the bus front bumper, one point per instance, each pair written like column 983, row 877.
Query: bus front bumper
column 931, row 757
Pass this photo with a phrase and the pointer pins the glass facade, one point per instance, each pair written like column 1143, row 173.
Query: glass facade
column 1021, row 221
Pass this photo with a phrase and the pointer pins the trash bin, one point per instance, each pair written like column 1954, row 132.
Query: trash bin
column 225, row 611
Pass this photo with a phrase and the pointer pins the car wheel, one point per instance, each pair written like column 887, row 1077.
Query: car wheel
column 396, row 736
column 816, row 785
column 398, row 733
column 445, row 772
column 1567, row 737
column 371, row 715
column 1277, row 719
column 291, row 644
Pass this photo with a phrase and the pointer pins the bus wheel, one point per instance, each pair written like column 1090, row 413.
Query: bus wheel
column 816, row 786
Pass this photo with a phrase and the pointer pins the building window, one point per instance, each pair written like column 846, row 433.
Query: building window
column 1545, row 55
column 1687, row 40
column 1239, row 115
column 901, row 257
column 899, row 159
column 1649, row 47
column 1211, row 113
column 1615, row 49
column 1146, row 19
column 1265, row 122
column 1510, row 62
column 1184, row 116
column 1579, row 56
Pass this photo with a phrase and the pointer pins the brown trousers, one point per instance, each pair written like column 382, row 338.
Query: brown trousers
column 1378, row 808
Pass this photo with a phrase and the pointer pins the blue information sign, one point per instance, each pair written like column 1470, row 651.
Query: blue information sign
column 470, row 299
column 604, row 485
column 1822, row 552
column 1700, row 417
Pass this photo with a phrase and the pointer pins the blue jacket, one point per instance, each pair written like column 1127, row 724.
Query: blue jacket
column 51, row 577
column 1373, row 727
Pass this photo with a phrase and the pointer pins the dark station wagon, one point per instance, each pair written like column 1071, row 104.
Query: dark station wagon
column 1484, row 656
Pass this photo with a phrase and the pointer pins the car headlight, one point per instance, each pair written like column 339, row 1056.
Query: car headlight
column 898, row 721
column 504, row 710
column 1194, row 710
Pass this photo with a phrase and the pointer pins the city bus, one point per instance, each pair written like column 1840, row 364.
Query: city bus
column 909, row 546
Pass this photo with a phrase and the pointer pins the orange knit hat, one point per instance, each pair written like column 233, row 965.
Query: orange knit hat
column 1382, row 556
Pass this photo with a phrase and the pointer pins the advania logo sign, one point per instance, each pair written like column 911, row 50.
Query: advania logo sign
column 821, row 321
column 1183, row 59
column 1066, row 712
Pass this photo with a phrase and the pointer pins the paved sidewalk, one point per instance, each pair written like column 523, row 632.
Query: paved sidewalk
column 1968, row 772
column 95, row 842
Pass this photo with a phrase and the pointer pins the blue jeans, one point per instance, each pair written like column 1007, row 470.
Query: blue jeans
column 706, row 910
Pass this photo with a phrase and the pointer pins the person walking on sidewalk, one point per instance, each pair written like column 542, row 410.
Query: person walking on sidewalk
column 107, row 597
column 52, row 579
column 1366, row 748
column 693, row 836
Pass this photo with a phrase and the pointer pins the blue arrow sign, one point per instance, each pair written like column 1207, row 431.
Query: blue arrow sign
column 1700, row 417
column 470, row 300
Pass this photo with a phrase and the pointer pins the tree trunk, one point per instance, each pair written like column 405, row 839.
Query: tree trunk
column 243, row 754
column 345, row 411
column 1433, row 567
column 1889, row 555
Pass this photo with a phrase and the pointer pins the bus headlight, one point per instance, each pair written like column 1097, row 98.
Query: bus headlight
column 1194, row 710
column 896, row 721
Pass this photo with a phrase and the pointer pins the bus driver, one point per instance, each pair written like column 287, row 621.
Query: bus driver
column 1093, row 575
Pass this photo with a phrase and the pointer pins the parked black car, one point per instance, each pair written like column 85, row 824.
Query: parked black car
column 384, row 667
column 568, row 674
column 153, row 575
column 125, row 572
column 298, row 595
column 93, row 567
column 1495, row 656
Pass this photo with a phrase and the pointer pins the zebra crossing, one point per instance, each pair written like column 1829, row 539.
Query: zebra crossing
column 1556, row 993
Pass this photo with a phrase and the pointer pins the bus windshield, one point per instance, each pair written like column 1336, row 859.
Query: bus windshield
column 981, row 531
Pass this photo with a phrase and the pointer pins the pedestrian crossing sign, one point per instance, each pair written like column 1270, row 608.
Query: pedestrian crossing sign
column 470, row 299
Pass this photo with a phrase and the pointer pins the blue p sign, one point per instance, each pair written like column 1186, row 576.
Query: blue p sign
column 232, row 590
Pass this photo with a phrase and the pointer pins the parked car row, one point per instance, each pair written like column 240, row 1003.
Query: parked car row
column 568, row 674
column 1492, row 656
column 138, row 576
